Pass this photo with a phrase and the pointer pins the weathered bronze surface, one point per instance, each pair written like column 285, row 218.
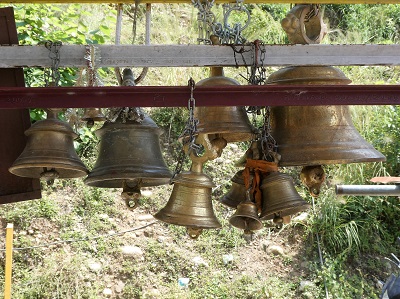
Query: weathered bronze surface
column 315, row 135
column 237, row 192
column 304, row 25
column 49, row 152
column 190, row 202
column 280, row 197
column 246, row 217
column 129, row 154
column 231, row 122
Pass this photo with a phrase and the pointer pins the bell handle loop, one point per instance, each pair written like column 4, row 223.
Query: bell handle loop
column 210, row 153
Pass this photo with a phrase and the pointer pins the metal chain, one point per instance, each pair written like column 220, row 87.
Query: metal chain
column 269, row 146
column 54, row 55
column 226, row 33
column 188, row 135
column 205, row 20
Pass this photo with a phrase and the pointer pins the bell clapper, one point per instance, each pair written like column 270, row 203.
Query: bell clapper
column 278, row 220
column 90, row 123
column 49, row 175
column 131, row 195
column 312, row 177
column 194, row 232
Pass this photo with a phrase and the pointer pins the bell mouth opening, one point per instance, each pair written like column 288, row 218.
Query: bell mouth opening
column 49, row 175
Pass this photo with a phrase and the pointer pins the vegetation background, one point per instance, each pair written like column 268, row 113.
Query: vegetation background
column 356, row 233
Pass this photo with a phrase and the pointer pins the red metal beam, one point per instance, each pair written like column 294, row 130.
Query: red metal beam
column 177, row 96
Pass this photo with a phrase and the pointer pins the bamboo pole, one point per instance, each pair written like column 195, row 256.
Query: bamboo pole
column 8, row 266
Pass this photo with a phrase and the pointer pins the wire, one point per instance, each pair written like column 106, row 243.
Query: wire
column 83, row 239
column 320, row 253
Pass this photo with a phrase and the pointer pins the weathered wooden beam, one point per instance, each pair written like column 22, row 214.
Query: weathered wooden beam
column 202, row 55
column 217, row 1
column 177, row 96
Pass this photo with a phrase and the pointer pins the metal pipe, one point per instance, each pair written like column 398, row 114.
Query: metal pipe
column 368, row 190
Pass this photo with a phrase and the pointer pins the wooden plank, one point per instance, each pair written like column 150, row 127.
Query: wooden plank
column 202, row 55
column 177, row 96
column 217, row 1
column 9, row 260
column 13, row 124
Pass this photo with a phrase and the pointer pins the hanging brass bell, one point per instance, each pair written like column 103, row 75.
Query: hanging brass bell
column 280, row 198
column 190, row 203
column 129, row 156
column 317, row 135
column 237, row 192
column 231, row 122
column 49, row 152
column 91, row 115
column 246, row 216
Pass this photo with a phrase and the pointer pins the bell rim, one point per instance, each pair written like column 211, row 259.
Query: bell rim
column 166, row 217
column 62, row 169
column 286, row 211
column 118, row 182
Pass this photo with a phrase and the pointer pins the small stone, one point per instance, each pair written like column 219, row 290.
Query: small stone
column 107, row 292
column 198, row 261
column 160, row 239
column 94, row 266
column 132, row 251
column 31, row 231
column 23, row 232
column 119, row 286
column 146, row 193
column 103, row 216
column 305, row 285
column 145, row 217
column 276, row 249
column 149, row 233
column 219, row 160
column 234, row 147
column 301, row 218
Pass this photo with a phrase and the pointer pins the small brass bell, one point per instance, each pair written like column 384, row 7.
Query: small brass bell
column 280, row 198
column 237, row 192
column 317, row 135
column 246, row 216
column 49, row 152
column 230, row 123
column 129, row 157
column 91, row 115
column 190, row 203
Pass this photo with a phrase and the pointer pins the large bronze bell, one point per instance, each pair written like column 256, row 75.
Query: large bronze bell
column 230, row 122
column 280, row 198
column 49, row 152
column 314, row 135
column 129, row 157
column 237, row 192
column 190, row 203
column 246, row 216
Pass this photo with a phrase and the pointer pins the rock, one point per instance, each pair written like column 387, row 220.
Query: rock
column 233, row 147
column 132, row 251
column 94, row 266
column 149, row 233
column 219, row 160
column 275, row 249
column 161, row 239
column 146, row 193
column 145, row 217
column 301, row 218
column 119, row 286
column 107, row 292
column 306, row 285
column 198, row 261
column 152, row 294
column 227, row 258
column 103, row 216
column 31, row 231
